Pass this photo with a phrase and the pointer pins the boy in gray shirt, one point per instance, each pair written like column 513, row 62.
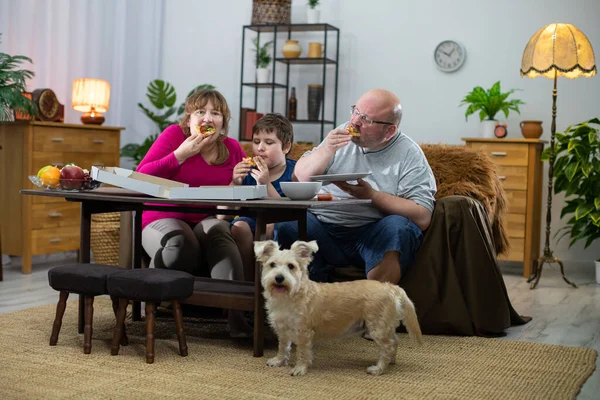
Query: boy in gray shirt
column 385, row 235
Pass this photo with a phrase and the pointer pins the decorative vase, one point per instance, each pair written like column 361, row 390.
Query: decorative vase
column 262, row 75
column 291, row 49
column 487, row 128
column 312, row 15
column 531, row 129
column 315, row 97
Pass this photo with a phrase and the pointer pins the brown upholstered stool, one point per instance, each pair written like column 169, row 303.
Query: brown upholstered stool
column 88, row 280
column 152, row 286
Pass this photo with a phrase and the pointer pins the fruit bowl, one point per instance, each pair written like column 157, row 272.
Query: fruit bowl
column 65, row 185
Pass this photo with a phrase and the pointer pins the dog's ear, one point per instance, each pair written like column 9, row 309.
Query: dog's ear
column 304, row 250
column 265, row 249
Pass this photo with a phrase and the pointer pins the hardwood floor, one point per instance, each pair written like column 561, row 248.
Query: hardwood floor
column 561, row 314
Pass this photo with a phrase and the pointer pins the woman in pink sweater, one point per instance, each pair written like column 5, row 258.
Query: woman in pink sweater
column 196, row 243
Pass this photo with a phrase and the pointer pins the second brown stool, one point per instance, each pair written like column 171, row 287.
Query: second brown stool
column 151, row 286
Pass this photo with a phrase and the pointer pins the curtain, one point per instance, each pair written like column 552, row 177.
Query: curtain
column 116, row 40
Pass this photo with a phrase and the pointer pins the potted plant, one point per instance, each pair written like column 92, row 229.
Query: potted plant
column 12, row 86
column 163, row 97
column 312, row 12
column 263, row 60
column 489, row 103
column 577, row 173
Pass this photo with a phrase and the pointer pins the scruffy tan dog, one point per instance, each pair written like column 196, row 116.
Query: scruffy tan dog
column 301, row 311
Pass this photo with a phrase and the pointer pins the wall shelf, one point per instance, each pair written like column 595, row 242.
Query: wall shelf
column 329, row 60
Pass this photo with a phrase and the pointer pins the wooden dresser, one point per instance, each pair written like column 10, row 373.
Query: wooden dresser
column 33, row 225
column 520, row 170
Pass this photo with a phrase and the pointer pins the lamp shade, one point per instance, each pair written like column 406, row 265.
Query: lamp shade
column 91, row 94
column 559, row 49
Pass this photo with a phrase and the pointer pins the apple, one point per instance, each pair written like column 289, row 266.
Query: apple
column 71, row 177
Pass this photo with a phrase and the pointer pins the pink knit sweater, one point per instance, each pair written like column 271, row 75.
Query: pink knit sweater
column 160, row 161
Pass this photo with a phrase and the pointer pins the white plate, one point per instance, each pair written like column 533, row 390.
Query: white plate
column 339, row 177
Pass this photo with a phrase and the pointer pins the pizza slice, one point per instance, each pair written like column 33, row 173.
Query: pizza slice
column 352, row 131
column 250, row 161
column 205, row 130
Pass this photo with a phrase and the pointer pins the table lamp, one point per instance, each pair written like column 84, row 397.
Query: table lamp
column 553, row 51
column 92, row 97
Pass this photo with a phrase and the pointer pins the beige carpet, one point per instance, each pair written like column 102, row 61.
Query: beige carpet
column 444, row 367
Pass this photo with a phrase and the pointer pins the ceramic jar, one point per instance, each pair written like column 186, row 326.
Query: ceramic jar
column 291, row 49
column 531, row 129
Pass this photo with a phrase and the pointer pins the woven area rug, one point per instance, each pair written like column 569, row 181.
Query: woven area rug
column 223, row 368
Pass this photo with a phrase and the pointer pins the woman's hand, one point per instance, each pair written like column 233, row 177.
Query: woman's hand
column 190, row 147
column 336, row 139
column 239, row 172
column 261, row 172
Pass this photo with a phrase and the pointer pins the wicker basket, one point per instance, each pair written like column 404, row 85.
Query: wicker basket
column 104, row 238
column 271, row 12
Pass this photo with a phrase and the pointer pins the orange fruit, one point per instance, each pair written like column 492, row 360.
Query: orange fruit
column 49, row 176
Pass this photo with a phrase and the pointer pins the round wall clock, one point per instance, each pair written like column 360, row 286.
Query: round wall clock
column 47, row 103
column 449, row 55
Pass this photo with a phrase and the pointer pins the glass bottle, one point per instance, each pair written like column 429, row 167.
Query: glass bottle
column 292, row 105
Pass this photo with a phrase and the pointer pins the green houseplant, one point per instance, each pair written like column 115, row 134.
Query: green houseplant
column 489, row 103
column 12, row 85
column 577, row 175
column 312, row 12
column 262, row 60
column 162, row 96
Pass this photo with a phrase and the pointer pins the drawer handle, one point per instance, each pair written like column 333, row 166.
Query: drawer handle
column 499, row 153
column 98, row 141
column 55, row 215
column 58, row 139
column 502, row 177
column 55, row 240
column 57, row 164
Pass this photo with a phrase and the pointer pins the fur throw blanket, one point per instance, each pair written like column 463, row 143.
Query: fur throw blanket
column 458, row 170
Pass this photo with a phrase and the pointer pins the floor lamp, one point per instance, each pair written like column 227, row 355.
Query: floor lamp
column 555, row 50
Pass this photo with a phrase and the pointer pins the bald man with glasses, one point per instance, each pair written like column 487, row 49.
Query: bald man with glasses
column 383, row 236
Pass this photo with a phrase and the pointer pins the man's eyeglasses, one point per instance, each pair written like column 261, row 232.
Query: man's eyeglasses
column 364, row 118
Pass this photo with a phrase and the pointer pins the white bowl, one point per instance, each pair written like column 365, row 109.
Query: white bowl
column 300, row 190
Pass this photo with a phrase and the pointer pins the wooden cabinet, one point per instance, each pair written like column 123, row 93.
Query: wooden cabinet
column 520, row 170
column 32, row 225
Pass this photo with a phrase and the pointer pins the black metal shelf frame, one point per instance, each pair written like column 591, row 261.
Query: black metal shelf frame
column 273, row 85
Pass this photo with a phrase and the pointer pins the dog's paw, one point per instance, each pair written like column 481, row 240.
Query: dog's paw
column 276, row 362
column 374, row 370
column 299, row 370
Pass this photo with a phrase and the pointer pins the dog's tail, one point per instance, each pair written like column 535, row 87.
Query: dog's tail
column 406, row 308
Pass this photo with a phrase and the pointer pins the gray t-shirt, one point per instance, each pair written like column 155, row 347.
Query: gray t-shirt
column 399, row 169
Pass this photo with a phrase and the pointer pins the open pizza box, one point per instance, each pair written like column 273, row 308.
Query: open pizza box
column 165, row 188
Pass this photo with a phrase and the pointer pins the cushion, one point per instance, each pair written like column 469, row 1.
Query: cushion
column 151, row 284
column 85, row 279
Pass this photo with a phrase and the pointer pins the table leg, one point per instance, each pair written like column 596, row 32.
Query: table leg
column 259, row 308
column 84, row 255
column 302, row 235
column 136, row 306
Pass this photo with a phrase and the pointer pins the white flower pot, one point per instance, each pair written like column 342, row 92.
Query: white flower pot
column 263, row 75
column 312, row 15
column 598, row 272
column 486, row 129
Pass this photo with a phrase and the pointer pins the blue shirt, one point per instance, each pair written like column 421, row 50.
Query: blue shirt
column 285, row 177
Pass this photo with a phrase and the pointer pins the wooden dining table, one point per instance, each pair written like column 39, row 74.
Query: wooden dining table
column 239, row 295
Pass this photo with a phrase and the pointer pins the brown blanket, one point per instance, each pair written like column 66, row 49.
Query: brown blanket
column 455, row 283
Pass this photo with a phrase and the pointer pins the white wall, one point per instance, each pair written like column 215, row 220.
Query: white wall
column 391, row 46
